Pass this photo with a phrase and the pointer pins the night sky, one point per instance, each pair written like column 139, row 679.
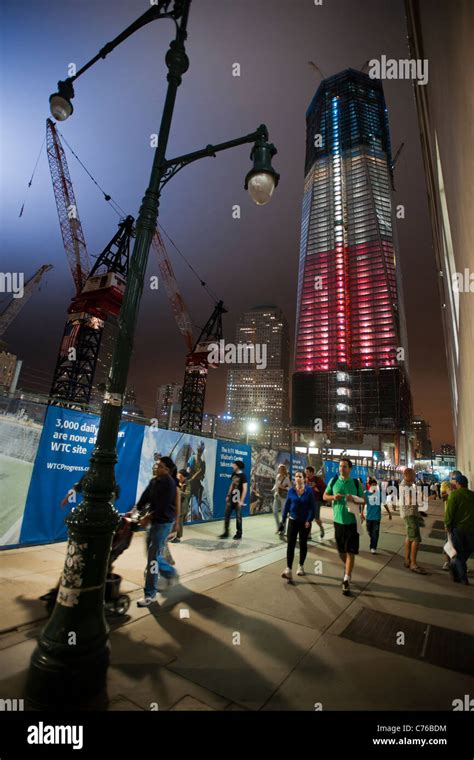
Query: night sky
column 117, row 107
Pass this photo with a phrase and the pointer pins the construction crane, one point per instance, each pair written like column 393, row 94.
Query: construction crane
column 69, row 221
column 178, row 306
column 92, row 324
column 96, row 306
column 195, row 374
column 16, row 304
column 197, row 364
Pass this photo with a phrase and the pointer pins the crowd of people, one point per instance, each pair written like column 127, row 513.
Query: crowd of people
column 297, row 504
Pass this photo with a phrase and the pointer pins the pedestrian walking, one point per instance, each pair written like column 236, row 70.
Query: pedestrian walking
column 235, row 499
column 347, row 497
column 173, row 471
column 445, row 489
column 300, row 508
column 280, row 493
column 319, row 486
column 373, row 513
column 157, row 509
column 408, row 504
column 459, row 522
column 185, row 493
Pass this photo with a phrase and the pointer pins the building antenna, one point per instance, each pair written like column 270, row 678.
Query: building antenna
column 316, row 68
column 397, row 156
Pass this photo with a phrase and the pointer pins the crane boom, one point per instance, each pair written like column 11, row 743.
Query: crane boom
column 178, row 306
column 69, row 221
column 16, row 304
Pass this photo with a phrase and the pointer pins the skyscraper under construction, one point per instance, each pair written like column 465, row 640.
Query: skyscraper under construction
column 351, row 375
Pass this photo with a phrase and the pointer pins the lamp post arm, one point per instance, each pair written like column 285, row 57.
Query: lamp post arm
column 155, row 12
column 172, row 166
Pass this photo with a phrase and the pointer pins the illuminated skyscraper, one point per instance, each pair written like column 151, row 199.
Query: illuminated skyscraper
column 260, row 394
column 350, row 353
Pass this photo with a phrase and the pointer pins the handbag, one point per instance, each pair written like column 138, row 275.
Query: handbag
column 282, row 492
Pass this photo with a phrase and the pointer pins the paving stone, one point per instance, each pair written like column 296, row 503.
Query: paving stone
column 190, row 703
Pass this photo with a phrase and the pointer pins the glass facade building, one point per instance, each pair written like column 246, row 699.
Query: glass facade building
column 260, row 394
column 350, row 349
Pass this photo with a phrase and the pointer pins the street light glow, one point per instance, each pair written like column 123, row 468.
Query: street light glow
column 261, row 187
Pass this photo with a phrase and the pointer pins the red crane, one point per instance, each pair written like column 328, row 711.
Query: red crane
column 84, row 355
column 92, row 304
column 178, row 306
column 69, row 221
column 197, row 364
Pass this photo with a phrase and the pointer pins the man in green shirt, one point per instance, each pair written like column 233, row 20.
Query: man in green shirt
column 347, row 497
column 459, row 521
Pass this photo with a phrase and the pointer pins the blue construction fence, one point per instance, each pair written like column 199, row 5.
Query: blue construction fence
column 40, row 462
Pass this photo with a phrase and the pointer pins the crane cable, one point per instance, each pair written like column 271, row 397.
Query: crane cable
column 33, row 174
column 123, row 214
column 107, row 196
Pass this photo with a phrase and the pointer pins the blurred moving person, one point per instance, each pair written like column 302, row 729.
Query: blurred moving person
column 459, row 521
column 157, row 507
column 280, row 494
column 319, row 486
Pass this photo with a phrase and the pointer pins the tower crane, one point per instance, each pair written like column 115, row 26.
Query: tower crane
column 96, row 305
column 197, row 364
column 69, row 221
column 16, row 304
column 87, row 344
column 178, row 306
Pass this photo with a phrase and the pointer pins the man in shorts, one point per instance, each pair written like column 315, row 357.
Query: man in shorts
column 347, row 497
column 409, row 497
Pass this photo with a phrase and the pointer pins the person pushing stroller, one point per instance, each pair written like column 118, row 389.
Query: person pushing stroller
column 158, row 509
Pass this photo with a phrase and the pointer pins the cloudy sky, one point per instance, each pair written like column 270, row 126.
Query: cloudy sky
column 118, row 105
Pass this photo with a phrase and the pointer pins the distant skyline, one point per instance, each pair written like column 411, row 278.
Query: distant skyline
column 118, row 104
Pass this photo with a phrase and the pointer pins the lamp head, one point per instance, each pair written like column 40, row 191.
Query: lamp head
column 60, row 102
column 262, row 179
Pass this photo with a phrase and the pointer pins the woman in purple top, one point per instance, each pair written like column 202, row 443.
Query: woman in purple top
column 300, row 507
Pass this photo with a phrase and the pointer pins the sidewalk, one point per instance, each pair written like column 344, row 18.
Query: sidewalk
column 234, row 635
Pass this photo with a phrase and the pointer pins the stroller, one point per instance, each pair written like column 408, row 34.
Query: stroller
column 115, row 603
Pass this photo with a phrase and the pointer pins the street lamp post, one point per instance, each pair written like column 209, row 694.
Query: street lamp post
column 69, row 665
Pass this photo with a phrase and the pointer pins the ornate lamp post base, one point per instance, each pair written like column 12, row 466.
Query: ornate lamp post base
column 69, row 664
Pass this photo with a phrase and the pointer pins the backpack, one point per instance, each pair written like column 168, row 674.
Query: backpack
column 356, row 481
